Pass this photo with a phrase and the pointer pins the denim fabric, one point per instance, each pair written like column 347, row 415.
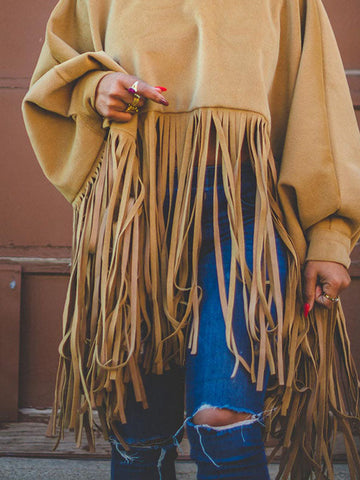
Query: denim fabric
column 208, row 374
column 232, row 453
column 149, row 432
column 143, row 463
column 236, row 452
column 165, row 412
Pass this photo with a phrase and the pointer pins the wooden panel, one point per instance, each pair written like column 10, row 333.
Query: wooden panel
column 32, row 210
column 24, row 24
column 28, row 439
column 354, row 84
column 351, row 303
column 42, row 304
column 10, row 294
column 345, row 19
column 38, row 259
column 357, row 113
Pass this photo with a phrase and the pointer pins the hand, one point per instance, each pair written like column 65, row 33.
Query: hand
column 112, row 96
column 323, row 277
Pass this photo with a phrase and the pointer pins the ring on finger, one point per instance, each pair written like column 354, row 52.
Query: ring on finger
column 134, row 87
column 332, row 299
column 136, row 100
column 133, row 106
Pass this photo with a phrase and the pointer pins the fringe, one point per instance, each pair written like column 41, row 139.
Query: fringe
column 321, row 401
column 133, row 298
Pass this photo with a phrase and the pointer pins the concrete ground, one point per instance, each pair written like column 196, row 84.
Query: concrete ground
column 15, row 468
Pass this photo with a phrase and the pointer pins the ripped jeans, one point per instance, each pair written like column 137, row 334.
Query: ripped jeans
column 234, row 451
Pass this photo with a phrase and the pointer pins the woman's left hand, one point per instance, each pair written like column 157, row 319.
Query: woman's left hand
column 321, row 278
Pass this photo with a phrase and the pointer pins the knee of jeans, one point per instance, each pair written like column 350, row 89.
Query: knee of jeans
column 150, row 453
column 221, row 437
column 214, row 418
column 222, row 416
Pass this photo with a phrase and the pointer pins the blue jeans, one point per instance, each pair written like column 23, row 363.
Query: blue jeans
column 231, row 452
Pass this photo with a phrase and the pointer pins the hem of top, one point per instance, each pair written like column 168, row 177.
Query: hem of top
column 87, row 122
column 184, row 111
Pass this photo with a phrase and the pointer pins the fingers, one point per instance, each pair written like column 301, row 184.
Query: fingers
column 113, row 97
column 151, row 93
column 113, row 110
column 124, row 98
column 323, row 282
column 323, row 300
column 309, row 285
column 120, row 117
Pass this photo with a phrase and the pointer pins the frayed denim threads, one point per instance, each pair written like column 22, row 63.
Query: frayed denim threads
column 143, row 461
column 232, row 451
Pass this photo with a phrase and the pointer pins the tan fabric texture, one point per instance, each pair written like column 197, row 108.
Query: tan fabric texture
column 263, row 72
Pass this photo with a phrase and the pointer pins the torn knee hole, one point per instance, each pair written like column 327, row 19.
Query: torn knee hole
column 219, row 417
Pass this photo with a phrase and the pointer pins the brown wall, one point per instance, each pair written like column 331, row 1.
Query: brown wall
column 35, row 221
column 35, row 227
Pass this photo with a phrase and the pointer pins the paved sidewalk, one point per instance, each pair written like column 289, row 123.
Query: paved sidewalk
column 14, row 468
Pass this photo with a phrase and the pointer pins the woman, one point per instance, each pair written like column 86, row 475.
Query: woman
column 197, row 212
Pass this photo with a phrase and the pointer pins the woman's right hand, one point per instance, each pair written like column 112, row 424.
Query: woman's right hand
column 112, row 96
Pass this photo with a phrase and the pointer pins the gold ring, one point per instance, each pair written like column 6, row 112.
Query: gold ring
column 136, row 100
column 332, row 299
column 133, row 107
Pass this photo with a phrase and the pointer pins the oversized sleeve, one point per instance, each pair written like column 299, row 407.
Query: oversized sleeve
column 319, row 181
column 64, row 129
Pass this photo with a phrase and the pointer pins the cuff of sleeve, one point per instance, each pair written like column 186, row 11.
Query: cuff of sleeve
column 83, row 97
column 328, row 245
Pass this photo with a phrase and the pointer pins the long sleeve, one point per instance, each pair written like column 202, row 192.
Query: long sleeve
column 65, row 130
column 319, row 181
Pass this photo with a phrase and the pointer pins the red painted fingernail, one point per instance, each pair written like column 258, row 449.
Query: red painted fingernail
column 164, row 102
column 306, row 309
column 162, row 89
